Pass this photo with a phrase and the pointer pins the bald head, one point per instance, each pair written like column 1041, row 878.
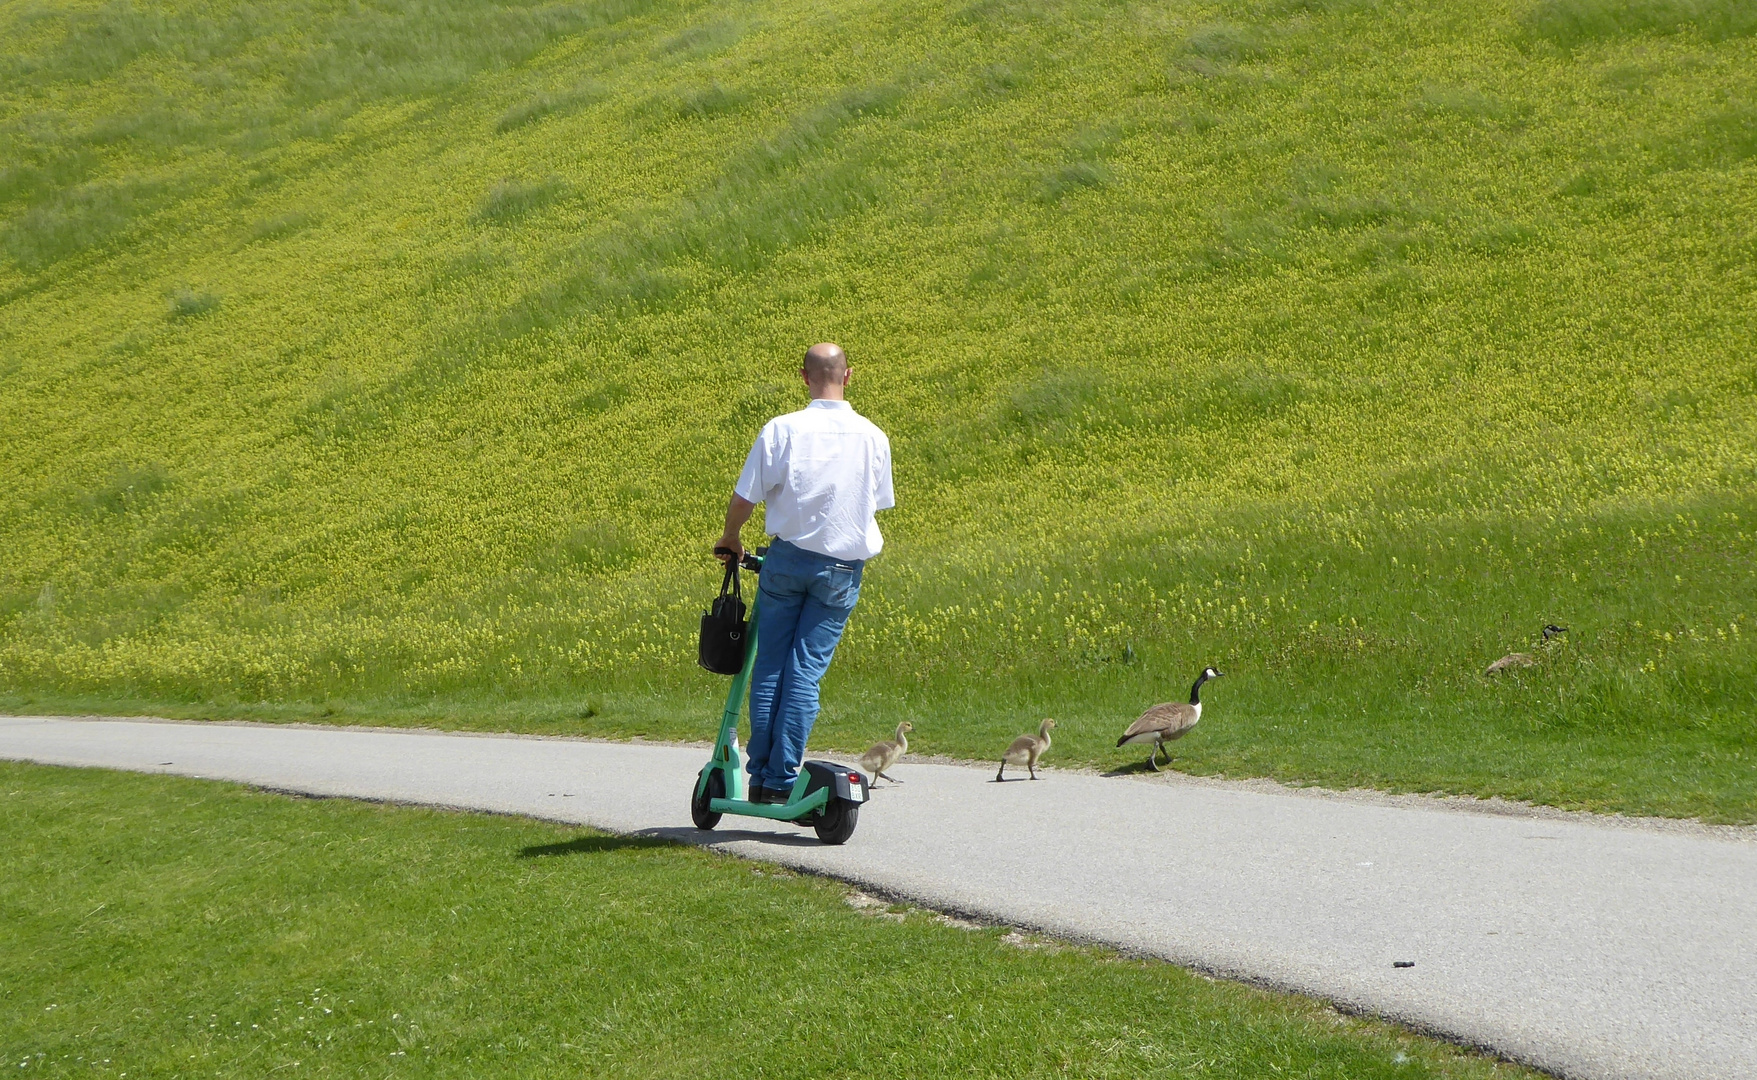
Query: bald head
column 825, row 363
column 825, row 369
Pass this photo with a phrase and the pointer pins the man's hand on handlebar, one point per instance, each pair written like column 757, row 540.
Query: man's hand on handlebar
column 729, row 547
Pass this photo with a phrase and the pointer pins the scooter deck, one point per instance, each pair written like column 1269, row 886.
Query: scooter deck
column 792, row 811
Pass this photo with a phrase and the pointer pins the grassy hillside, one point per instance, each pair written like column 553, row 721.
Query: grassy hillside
column 394, row 360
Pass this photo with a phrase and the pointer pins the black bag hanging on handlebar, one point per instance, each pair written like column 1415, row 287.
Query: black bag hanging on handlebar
column 721, row 649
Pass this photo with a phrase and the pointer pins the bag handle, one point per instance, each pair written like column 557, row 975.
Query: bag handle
column 731, row 582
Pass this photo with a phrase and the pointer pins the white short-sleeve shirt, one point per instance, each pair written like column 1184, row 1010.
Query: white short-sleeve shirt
column 824, row 472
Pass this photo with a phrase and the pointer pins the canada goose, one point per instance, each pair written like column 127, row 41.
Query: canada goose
column 885, row 754
column 1026, row 749
column 1523, row 659
column 1163, row 723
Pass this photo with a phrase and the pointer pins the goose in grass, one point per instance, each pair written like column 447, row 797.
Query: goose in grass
column 1523, row 659
column 884, row 754
column 1026, row 749
column 1172, row 720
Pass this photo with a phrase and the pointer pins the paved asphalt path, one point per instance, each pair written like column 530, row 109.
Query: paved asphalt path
column 1584, row 947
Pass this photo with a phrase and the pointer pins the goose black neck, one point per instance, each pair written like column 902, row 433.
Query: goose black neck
column 1196, row 690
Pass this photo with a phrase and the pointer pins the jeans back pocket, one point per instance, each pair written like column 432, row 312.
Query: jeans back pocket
column 844, row 586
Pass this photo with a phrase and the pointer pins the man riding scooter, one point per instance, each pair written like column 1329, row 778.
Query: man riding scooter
column 824, row 472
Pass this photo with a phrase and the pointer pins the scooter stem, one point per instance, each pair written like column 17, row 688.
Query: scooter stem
column 726, row 755
column 736, row 698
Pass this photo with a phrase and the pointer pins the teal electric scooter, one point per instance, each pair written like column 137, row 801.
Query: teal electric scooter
column 826, row 796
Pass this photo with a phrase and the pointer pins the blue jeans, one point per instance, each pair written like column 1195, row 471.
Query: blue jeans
column 805, row 602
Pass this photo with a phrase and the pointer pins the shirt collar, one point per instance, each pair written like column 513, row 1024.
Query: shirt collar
column 828, row 403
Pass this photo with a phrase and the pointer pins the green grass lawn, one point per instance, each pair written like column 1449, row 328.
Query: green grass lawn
column 153, row 926
column 392, row 362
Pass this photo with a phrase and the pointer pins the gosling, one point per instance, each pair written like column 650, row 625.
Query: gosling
column 1026, row 749
column 1523, row 659
column 883, row 755
column 1163, row 723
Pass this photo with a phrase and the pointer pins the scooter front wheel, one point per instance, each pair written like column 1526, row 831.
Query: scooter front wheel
column 835, row 823
column 715, row 788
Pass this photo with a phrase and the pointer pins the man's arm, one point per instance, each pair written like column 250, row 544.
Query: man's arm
column 738, row 512
column 752, row 482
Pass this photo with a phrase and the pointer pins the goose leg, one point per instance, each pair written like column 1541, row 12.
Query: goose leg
column 889, row 777
column 1033, row 767
column 997, row 776
column 1153, row 756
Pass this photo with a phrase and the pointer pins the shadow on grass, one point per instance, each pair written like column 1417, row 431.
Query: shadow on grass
column 698, row 838
column 661, row 838
column 593, row 845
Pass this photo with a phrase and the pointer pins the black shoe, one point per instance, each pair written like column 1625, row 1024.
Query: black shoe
column 769, row 796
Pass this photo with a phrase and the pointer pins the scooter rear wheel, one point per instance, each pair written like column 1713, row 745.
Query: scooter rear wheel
column 835, row 823
column 715, row 788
